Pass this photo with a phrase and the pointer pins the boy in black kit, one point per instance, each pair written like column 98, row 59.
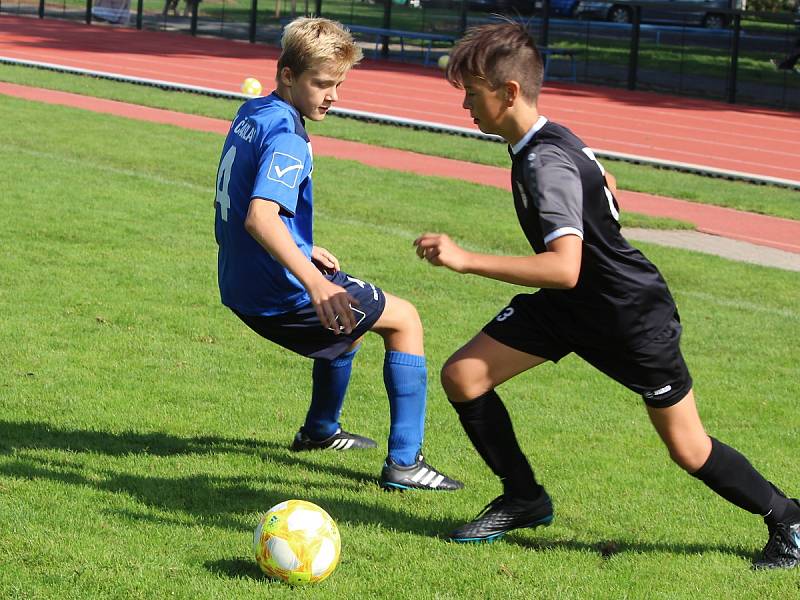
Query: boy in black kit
column 600, row 298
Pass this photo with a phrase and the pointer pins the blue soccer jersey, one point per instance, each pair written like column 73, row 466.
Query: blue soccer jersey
column 266, row 155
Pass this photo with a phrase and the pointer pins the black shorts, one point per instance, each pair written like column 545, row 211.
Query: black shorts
column 655, row 370
column 302, row 332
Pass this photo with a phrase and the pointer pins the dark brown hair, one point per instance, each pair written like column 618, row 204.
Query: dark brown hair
column 498, row 53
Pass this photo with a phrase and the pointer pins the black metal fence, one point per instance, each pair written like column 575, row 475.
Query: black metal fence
column 721, row 53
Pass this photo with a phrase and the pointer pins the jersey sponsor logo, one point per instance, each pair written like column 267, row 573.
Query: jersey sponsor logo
column 659, row 392
column 285, row 169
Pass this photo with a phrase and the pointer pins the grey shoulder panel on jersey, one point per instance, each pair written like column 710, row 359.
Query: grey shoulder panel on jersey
column 555, row 182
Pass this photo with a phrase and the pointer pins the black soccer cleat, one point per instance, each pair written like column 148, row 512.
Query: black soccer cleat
column 503, row 514
column 783, row 548
column 419, row 476
column 341, row 440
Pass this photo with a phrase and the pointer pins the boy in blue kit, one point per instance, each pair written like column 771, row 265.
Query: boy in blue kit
column 273, row 277
column 599, row 297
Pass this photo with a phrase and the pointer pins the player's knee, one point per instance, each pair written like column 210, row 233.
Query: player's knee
column 688, row 458
column 405, row 315
column 461, row 383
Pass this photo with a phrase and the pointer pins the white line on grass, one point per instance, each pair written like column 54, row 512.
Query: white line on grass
column 207, row 189
column 395, row 231
column 787, row 313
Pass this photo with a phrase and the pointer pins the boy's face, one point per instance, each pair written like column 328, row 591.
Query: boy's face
column 485, row 105
column 314, row 91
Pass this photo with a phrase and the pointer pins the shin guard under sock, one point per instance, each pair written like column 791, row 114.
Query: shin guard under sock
column 330, row 379
column 488, row 425
column 731, row 475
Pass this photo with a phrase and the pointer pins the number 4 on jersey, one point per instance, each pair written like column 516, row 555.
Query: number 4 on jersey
column 223, row 180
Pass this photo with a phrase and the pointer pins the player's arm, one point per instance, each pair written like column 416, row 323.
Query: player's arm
column 558, row 193
column 330, row 301
column 559, row 267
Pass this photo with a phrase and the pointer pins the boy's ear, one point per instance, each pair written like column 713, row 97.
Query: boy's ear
column 512, row 89
column 286, row 76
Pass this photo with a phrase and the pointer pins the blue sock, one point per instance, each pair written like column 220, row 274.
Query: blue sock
column 406, row 380
column 329, row 385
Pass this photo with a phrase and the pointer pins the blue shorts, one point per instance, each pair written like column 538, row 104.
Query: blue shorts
column 302, row 332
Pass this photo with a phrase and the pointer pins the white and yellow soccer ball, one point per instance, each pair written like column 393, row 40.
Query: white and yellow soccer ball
column 298, row 542
column 251, row 86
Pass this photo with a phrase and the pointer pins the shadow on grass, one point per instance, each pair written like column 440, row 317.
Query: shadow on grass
column 607, row 549
column 16, row 435
column 235, row 568
column 221, row 501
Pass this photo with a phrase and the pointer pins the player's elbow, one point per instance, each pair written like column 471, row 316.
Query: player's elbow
column 566, row 277
column 250, row 223
column 570, row 278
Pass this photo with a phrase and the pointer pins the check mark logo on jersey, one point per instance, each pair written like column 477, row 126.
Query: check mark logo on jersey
column 281, row 172
column 285, row 169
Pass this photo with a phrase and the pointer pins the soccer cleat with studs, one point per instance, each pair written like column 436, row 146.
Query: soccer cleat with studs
column 783, row 547
column 419, row 476
column 341, row 440
column 502, row 515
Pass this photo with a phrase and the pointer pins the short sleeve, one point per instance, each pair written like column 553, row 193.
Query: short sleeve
column 282, row 167
column 556, row 182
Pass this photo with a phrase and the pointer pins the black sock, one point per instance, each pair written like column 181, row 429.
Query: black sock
column 488, row 425
column 731, row 475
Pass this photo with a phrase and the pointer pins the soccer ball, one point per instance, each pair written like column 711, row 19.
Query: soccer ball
column 298, row 542
column 251, row 86
column 443, row 61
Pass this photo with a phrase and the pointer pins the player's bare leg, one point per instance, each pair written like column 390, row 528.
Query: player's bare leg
column 682, row 432
column 481, row 365
column 400, row 327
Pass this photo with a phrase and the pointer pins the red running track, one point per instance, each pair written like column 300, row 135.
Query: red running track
column 783, row 234
column 751, row 140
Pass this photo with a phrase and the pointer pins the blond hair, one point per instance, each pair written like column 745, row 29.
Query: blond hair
column 313, row 42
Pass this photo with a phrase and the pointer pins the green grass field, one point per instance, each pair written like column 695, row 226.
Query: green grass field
column 144, row 429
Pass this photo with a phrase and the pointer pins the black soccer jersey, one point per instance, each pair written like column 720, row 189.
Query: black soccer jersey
column 559, row 189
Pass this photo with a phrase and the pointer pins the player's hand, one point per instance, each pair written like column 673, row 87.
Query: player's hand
column 439, row 250
column 332, row 304
column 324, row 261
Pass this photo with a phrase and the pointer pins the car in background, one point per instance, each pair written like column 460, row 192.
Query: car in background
column 564, row 8
column 523, row 7
column 561, row 8
column 707, row 13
